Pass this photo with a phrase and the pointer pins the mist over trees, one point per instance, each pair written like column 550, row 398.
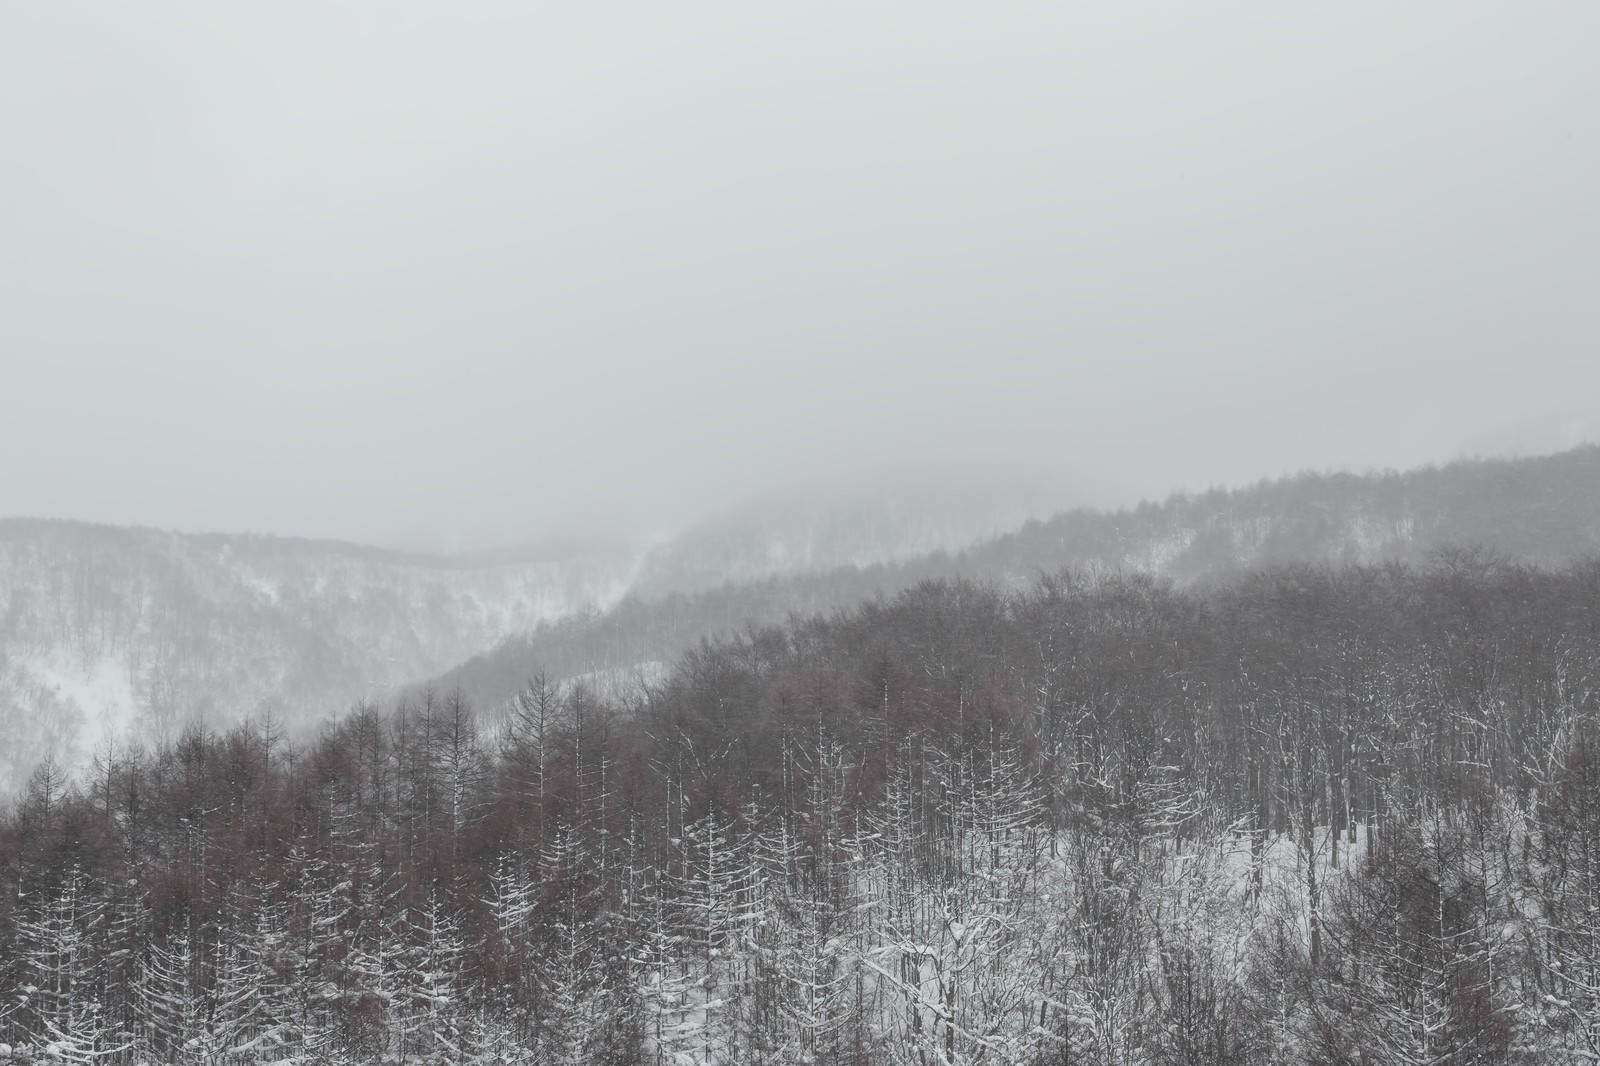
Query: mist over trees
column 1313, row 814
column 788, row 658
column 1543, row 511
column 110, row 633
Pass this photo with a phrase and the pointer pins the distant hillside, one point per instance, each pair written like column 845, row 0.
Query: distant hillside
column 1542, row 511
column 136, row 632
column 133, row 632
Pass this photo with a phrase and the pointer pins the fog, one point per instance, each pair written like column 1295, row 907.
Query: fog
column 450, row 276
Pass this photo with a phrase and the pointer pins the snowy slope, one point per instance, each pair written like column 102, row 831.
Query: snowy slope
column 132, row 634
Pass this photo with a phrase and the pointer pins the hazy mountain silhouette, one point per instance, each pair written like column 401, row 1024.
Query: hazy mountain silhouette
column 1542, row 511
column 133, row 633
column 121, row 632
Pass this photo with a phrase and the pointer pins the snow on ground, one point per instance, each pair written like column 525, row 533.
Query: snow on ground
column 65, row 706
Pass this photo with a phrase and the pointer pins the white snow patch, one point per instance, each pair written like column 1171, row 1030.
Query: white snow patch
column 101, row 689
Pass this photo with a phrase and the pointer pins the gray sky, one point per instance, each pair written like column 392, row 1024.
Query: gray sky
column 431, row 274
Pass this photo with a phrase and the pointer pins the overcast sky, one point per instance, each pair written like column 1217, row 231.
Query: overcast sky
column 461, row 274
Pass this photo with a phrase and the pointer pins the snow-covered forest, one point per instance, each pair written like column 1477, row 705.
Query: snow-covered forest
column 1315, row 815
column 778, row 534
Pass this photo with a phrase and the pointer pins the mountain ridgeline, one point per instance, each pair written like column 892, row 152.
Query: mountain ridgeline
column 110, row 633
column 115, row 633
column 1541, row 511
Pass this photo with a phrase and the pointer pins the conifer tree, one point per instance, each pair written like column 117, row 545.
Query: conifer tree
column 61, row 977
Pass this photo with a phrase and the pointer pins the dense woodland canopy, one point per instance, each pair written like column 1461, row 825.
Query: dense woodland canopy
column 1312, row 815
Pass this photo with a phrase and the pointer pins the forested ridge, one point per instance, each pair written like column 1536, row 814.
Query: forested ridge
column 126, row 631
column 119, row 631
column 1309, row 815
column 1543, row 511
